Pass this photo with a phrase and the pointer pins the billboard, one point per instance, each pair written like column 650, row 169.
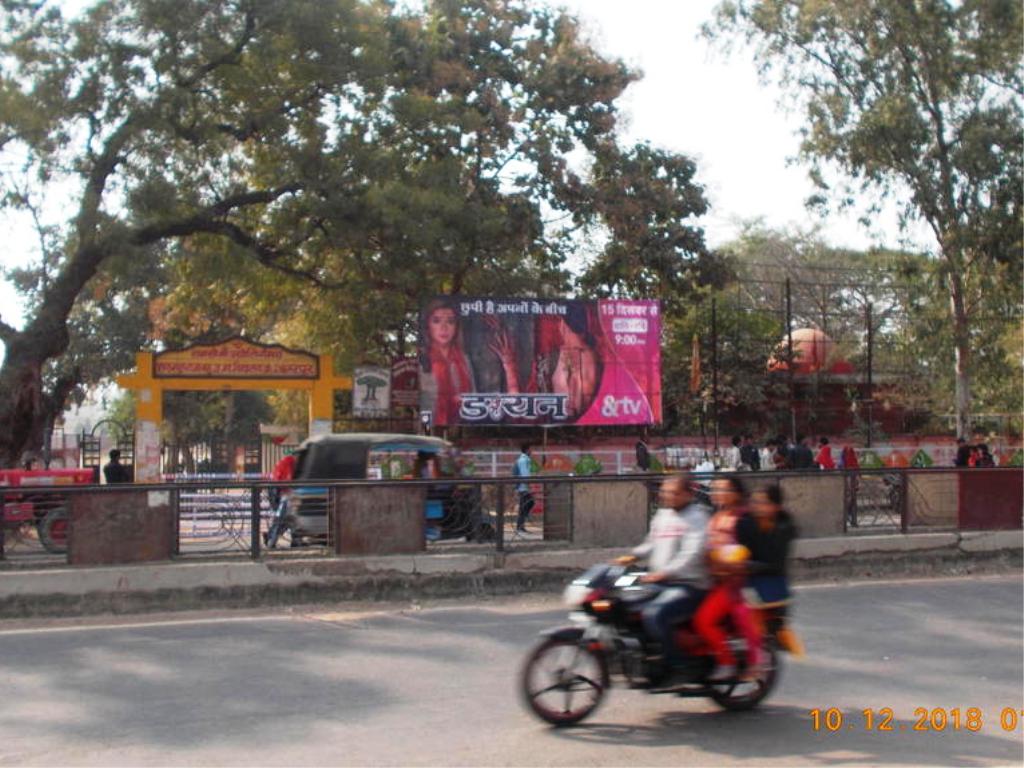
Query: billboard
column 485, row 361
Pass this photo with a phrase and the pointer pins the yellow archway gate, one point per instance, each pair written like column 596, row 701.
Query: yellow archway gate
column 234, row 364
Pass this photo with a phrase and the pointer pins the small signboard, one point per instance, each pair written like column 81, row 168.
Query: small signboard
column 405, row 383
column 371, row 392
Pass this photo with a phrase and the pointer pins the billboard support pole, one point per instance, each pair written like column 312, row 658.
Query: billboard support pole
column 791, row 362
column 714, row 367
column 871, row 388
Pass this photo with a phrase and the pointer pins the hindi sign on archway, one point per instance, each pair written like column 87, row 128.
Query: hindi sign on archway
column 233, row 364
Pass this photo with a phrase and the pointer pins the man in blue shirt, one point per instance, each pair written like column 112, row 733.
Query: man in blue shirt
column 523, row 468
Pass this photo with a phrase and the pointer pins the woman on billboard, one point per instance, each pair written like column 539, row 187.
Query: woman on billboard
column 566, row 358
column 445, row 369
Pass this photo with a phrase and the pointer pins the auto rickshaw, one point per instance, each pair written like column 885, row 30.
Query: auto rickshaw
column 452, row 510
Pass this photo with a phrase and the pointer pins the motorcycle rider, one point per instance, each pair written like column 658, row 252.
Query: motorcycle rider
column 674, row 550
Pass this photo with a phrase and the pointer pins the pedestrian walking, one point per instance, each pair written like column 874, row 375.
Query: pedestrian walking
column 643, row 456
column 523, row 468
column 283, row 471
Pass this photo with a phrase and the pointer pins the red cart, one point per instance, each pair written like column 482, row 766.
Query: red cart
column 46, row 512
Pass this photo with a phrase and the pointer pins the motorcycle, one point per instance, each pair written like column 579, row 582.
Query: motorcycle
column 568, row 672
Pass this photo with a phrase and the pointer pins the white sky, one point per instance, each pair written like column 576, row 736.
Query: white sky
column 691, row 99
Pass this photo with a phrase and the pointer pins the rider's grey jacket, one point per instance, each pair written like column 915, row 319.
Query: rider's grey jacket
column 675, row 544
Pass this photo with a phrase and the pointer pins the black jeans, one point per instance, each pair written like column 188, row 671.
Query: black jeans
column 660, row 616
column 526, row 502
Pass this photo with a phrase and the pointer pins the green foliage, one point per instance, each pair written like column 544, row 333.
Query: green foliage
column 122, row 412
column 588, row 465
column 195, row 417
column 492, row 152
column 922, row 460
column 919, row 102
column 395, row 468
column 370, row 155
column 870, row 460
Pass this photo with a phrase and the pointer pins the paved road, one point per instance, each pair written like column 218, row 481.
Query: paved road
column 435, row 686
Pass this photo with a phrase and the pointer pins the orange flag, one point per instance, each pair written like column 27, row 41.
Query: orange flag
column 695, row 366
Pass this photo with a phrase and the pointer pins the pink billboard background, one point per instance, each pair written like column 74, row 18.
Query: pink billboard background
column 630, row 389
column 486, row 361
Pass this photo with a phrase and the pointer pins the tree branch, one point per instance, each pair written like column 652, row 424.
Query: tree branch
column 228, row 57
column 266, row 254
column 201, row 220
column 96, row 182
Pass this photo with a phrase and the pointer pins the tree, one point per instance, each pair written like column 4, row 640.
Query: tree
column 920, row 100
column 170, row 120
column 369, row 155
column 493, row 154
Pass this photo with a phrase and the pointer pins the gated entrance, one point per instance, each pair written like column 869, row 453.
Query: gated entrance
column 91, row 447
column 234, row 364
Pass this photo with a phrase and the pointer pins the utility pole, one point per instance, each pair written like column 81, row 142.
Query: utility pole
column 871, row 386
column 714, row 367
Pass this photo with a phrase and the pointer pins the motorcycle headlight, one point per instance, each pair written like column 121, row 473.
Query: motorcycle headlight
column 574, row 594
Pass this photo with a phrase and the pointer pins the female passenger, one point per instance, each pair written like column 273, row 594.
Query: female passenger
column 725, row 598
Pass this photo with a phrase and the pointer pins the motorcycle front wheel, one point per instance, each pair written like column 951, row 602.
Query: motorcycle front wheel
column 563, row 681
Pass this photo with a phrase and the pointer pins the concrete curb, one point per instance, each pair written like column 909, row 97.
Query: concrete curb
column 191, row 586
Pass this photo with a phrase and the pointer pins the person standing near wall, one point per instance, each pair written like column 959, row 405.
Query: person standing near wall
column 802, row 457
column 115, row 471
column 643, row 456
column 749, row 453
column 733, row 456
column 824, row 458
column 963, row 453
column 523, row 468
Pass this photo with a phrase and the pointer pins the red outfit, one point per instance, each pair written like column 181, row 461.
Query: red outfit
column 725, row 599
column 284, row 469
column 824, row 458
column 452, row 376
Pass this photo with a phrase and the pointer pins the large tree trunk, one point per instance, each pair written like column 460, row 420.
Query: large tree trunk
column 21, row 397
column 24, row 408
column 962, row 346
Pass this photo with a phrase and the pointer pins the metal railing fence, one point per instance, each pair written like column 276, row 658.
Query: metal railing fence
column 223, row 518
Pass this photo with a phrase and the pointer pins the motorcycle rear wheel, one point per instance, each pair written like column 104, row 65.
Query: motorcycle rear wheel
column 739, row 697
column 560, row 673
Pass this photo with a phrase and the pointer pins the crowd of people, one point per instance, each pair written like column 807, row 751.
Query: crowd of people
column 973, row 455
column 713, row 563
column 780, row 453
